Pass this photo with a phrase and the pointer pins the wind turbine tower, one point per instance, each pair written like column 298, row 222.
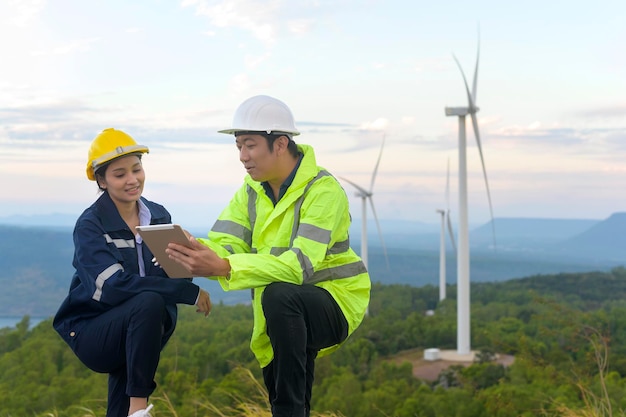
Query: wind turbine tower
column 442, row 256
column 463, row 255
column 445, row 221
column 366, row 195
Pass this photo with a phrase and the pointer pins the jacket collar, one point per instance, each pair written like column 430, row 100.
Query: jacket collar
column 108, row 214
column 307, row 170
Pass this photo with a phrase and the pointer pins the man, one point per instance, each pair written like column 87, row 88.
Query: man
column 285, row 236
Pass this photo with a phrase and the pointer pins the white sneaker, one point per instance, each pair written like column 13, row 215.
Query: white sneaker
column 142, row 413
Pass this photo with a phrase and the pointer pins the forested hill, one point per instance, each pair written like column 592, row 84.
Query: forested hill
column 555, row 326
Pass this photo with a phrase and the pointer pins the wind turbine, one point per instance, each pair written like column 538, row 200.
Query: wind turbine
column 463, row 257
column 445, row 220
column 366, row 195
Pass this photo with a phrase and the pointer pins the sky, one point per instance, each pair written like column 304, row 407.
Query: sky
column 551, row 92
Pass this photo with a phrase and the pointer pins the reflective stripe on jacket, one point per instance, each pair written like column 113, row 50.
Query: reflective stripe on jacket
column 302, row 240
column 107, row 268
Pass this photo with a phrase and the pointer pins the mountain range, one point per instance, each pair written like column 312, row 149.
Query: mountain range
column 35, row 267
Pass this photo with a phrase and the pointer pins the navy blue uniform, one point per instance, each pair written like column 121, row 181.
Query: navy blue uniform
column 115, row 320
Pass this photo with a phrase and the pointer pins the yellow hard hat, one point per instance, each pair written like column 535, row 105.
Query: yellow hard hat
column 108, row 145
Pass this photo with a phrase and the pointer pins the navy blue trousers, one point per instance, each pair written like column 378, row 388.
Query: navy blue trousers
column 301, row 320
column 126, row 343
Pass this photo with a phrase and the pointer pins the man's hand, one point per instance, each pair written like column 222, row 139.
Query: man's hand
column 204, row 303
column 198, row 259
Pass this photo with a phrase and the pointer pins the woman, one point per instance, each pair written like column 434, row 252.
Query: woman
column 121, row 308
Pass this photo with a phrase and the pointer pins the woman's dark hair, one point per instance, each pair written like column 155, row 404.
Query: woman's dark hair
column 100, row 173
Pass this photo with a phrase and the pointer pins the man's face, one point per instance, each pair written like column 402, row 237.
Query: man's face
column 255, row 155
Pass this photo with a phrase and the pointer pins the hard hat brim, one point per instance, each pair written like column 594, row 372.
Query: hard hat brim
column 235, row 130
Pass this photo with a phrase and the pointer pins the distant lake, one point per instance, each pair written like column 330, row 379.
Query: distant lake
column 12, row 321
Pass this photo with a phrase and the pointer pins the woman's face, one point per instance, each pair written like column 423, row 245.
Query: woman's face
column 124, row 179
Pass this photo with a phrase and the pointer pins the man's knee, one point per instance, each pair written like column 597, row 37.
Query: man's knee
column 276, row 291
column 276, row 299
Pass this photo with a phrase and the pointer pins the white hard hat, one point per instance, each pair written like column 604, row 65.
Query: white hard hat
column 263, row 114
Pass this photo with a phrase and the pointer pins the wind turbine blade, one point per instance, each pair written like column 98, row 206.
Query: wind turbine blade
column 450, row 231
column 482, row 161
column 377, row 163
column 358, row 187
column 474, row 86
column 380, row 234
column 472, row 106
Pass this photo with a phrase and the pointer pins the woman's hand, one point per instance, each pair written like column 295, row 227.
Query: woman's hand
column 204, row 303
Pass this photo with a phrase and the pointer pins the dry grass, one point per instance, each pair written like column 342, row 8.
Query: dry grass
column 255, row 406
column 596, row 404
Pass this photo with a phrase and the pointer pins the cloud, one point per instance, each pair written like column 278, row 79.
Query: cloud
column 324, row 124
column 240, row 83
column 379, row 124
column 22, row 13
column 179, row 138
column 241, row 14
column 300, row 26
column 37, row 112
column 254, row 61
column 264, row 20
column 50, row 124
column 80, row 45
column 617, row 111
column 587, row 141
column 432, row 64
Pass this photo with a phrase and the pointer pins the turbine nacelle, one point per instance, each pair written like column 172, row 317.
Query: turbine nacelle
column 365, row 195
column 361, row 194
column 460, row 111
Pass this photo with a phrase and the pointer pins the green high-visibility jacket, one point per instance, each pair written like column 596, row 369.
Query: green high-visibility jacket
column 302, row 240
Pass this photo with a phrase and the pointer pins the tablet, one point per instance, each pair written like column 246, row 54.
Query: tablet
column 157, row 237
